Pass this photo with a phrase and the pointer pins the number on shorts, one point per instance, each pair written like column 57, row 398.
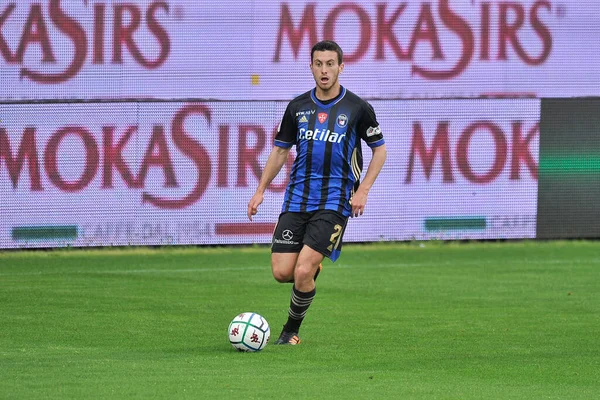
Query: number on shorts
column 334, row 237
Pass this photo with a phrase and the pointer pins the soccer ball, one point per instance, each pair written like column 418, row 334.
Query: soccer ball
column 249, row 332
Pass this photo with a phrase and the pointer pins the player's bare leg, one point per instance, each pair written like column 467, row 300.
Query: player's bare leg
column 302, row 295
column 282, row 266
column 306, row 268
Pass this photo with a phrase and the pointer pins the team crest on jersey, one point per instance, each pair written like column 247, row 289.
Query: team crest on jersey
column 322, row 117
column 303, row 119
column 342, row 120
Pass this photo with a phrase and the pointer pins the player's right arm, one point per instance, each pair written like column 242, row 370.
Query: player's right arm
column 284, row 140
column 277, row 158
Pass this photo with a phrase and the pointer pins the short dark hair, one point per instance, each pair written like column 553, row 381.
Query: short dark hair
column 327, row 45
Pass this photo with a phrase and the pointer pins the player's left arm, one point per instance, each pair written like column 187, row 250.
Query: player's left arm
column 359, row 200
column 370, row 132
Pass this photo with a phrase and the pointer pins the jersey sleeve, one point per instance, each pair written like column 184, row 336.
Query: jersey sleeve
column 368, row 127
column 286, row 133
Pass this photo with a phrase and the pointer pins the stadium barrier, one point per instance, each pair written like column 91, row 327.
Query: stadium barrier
column 155, row 173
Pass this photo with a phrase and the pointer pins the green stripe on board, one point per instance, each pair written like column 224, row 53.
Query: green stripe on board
column 577, row 163
column 44, row 232
column 454, row 223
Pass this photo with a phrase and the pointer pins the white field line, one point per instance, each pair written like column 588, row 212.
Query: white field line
column 266, row 266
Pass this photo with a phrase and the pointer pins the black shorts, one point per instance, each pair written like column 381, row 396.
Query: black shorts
column 320, row 230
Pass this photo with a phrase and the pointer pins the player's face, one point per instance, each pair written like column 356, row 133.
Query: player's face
column 325, row 69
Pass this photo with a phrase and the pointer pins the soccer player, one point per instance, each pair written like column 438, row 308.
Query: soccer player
column 326, row 124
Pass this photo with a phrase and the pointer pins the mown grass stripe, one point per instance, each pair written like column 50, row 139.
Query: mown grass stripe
column 477, row 322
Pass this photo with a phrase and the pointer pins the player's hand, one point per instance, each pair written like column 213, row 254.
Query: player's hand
column 255, row 201
column 358, row 202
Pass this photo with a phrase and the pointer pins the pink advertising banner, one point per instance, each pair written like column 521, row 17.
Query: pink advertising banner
column 148, row 173
column 257, row 50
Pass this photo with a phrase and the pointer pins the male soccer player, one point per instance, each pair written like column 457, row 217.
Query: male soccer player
column 326, row 125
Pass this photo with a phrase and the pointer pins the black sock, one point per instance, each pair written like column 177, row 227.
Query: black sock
column 299, row 303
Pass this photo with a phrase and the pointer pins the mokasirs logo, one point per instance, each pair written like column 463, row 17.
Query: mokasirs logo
column 435, row 25
column 49, row 26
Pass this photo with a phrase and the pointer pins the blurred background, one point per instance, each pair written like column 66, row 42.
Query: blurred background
column 149, row 122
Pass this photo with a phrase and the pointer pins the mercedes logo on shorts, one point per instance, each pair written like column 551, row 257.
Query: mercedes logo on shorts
column 287, row 234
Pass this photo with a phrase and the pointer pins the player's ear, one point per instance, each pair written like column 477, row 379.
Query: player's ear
column 341, row 67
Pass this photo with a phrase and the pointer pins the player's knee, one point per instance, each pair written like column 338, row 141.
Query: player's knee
column 304, row 271
column 282, row 266
column 282, row 275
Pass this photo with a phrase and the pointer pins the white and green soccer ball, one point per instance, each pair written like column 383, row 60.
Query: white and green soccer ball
column 249, row 332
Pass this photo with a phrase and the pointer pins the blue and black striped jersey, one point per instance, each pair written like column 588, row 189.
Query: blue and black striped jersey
column 328, row 164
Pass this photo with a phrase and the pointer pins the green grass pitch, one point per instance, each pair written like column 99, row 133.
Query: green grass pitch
column 430, row 320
